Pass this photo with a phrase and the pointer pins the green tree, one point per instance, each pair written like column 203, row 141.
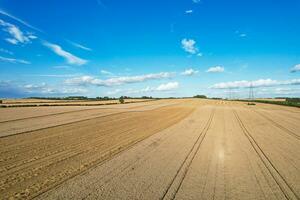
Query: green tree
column 200, row 96
column 121, row 100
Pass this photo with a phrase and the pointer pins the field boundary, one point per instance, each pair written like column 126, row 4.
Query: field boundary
column 67, row 104
column 280, row 103
column 73, row 111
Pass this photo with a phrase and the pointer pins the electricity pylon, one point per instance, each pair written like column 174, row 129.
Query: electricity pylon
column 251, row 93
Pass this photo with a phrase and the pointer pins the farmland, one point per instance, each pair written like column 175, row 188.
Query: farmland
column 163, row 149
column 50, row 102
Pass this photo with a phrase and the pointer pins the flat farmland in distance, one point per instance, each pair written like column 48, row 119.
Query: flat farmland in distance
column 163, row 149
column 48, row 102
column 269, row 99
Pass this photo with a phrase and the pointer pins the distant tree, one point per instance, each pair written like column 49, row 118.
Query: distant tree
column 121, row 100
column 146, row 97
column 76, row 98
column 295, row 100
column 1, row 101
column 200, row 96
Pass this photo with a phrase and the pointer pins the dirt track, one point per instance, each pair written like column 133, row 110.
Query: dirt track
column 191, row 149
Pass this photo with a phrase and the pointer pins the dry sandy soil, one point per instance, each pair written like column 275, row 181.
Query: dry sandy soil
column 166, row 149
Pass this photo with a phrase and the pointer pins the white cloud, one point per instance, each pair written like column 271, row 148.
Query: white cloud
column 199, row 54
column 89, row 80
column 2, row 12
column 161, row 88
column 168, row 86
column 188, row 11
column 189, row 72
column 83, row 81
column 70, row 58
column 256, row 83
column 277, row 92
column 296, row 68
column 189, row 45
column 31, row 36
column 105, row 72
column 17, row 36
column 13, row 60
column 80, row 46
column 216, row 69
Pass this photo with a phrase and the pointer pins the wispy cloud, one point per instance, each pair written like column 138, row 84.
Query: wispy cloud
column 2, row 12
column 89, row 80
column 13, row 60
column 240, row 34
column 105, row 72
column 216, row 69
column 189, row 72
column 70, row 58
column 62, row 67
column 6, row 51
column 45, row 89
column 256, row 83
column 17, row 36
column 80, row 46
column 196, row 1
column 287, row 91
column 189, row 45
column 189, row 11
column 296, row 68
column 100, row 3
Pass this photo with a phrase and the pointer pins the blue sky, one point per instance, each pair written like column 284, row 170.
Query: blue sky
column 149, row 47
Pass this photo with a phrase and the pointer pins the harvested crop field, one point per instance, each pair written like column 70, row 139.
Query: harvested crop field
column 164, row 149
column 46, row 102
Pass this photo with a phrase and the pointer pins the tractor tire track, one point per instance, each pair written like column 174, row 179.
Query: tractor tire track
column 187, row 162
column 278, row 125
column 285, row 188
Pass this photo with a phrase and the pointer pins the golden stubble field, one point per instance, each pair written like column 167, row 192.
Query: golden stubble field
column 48, row 102
column 164, row 149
